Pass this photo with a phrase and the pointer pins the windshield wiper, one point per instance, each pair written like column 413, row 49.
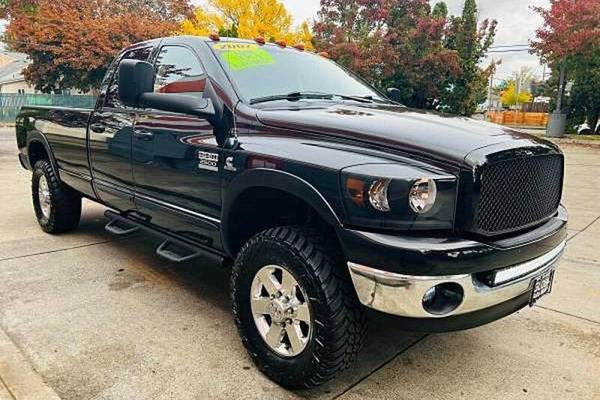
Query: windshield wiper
column 294, row 96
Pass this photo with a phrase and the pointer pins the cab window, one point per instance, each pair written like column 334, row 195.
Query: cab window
column 178, row 71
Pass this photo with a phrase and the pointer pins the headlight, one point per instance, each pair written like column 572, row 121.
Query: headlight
column 378, row 194
column 421, row 197
column 398, row 197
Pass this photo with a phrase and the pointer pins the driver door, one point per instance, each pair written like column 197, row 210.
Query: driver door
column 175, row 157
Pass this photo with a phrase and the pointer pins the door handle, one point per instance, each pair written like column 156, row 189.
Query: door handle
column 98, row 128
column 143, row 135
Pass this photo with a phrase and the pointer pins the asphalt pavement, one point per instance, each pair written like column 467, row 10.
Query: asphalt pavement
column 87, row 315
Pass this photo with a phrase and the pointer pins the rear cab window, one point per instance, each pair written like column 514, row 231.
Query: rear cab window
column 178, row 70
column 111, row 99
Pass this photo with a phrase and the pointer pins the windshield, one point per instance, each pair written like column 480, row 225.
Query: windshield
column 263, row 71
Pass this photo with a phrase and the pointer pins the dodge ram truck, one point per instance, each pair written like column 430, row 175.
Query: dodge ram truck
column 322, row 194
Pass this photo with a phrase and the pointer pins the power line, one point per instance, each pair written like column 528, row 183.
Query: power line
column 509, row 45
column 508, row 51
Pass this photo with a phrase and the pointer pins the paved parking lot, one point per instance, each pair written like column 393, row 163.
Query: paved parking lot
column 91, row 316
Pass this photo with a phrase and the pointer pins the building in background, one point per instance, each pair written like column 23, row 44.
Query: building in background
column 11, row 73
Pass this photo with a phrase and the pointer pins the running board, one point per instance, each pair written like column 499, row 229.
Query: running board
column 172, row 248
column 175, row 252
column 120, row 228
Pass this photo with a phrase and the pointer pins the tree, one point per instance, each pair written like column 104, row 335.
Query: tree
column 583, row 103
column 391, row 43
column 523, row 77
column 569, row 40
column 247, row 19
column 71, row 42
column 510, row 97
column 440, row 10
column 471, row 43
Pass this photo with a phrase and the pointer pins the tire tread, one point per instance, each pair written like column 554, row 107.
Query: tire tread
column 345, row 332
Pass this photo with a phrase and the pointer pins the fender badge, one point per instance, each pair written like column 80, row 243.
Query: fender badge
column 229, row 164
column 208, row 161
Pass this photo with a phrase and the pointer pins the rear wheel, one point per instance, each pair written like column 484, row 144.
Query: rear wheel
column 295, row 307
column 57, row 206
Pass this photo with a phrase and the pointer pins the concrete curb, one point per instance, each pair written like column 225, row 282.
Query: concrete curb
column 591, row 144
column 17, row 376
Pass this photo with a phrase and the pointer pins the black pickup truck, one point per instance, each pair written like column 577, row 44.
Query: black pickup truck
column 325, row 196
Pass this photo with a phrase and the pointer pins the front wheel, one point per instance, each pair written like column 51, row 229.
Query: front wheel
column 295, row 307
column 57, row 207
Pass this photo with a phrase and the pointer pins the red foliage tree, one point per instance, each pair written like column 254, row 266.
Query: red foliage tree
column 570, row 28
column 390, row 43
column 71, row 42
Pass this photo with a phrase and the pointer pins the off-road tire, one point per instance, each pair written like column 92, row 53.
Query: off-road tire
column 65, row 203
column 338, row 319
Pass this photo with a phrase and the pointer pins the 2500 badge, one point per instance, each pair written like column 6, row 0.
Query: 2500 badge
column 208, row 161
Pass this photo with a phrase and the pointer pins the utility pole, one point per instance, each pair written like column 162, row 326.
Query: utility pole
column 558, row 120
column 561, row 88
column 543, row 72
column 490, row 91
column 518, row 88
column 494, row 65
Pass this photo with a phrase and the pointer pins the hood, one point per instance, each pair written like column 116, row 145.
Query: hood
column 445, row 137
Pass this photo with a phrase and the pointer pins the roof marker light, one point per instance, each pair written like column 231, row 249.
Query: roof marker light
column 214, row 37
column 281, row 43
column 324, row 54
column 299, row 46
column 260, row 40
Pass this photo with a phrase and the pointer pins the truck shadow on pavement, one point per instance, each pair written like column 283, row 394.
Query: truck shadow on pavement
column 209, row 283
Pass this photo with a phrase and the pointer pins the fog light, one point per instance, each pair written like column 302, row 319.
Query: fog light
column 422, row 195
column 442, row 299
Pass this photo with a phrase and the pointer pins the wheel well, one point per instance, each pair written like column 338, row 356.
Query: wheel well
column 260, row 208
column 36, row 152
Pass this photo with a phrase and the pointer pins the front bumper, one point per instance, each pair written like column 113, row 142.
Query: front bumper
column 397, row 272
column 402, row 295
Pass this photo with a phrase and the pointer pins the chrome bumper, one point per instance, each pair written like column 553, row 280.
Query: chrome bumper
column 403, row 294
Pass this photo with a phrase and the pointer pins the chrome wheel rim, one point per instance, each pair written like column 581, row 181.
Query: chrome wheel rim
column 280, row 310
column 44, row 196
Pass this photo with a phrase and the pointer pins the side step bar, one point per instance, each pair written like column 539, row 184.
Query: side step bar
column 120, row 228
column 172, row 248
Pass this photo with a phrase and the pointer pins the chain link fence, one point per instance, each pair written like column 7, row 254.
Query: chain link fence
column 11, row 103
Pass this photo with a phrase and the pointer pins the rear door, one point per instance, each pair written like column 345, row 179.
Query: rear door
column 110, row 134
column 175, row 156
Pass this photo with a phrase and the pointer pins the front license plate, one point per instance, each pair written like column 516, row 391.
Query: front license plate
column 542, row 285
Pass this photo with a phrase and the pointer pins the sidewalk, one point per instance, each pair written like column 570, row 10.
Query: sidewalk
column 18, row 380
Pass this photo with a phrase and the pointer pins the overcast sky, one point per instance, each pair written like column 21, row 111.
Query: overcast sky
column 516, row 25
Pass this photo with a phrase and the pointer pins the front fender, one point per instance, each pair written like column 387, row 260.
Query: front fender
column 273, row 179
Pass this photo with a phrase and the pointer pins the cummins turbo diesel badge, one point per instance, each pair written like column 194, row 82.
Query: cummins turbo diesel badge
column 244, row 55
column 208, row 161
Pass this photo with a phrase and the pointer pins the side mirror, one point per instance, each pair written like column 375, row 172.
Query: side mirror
column 394, row 94
column 136, row 89
column 179, row 103
column 135, row 78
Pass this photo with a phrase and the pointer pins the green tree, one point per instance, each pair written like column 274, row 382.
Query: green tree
column 471, row 44
column 440, row 10
column 584, row 100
